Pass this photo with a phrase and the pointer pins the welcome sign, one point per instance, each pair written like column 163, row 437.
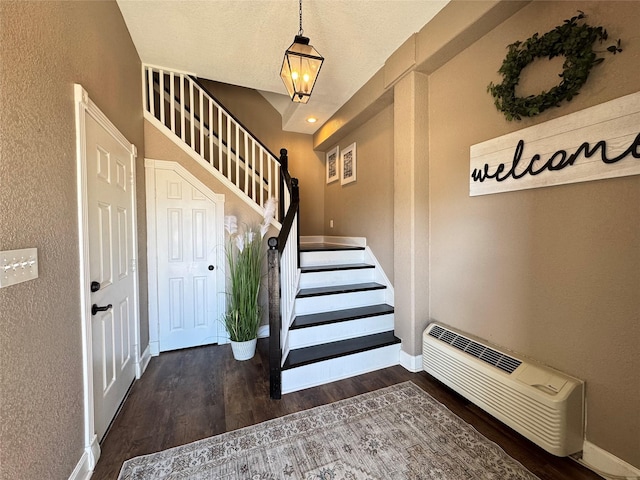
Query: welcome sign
column 599, row 142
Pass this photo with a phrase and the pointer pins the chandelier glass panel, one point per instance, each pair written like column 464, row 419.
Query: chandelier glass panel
column 300, row 67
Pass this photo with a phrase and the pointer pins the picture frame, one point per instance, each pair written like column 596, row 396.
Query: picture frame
column 348, row 164
column 332, row 165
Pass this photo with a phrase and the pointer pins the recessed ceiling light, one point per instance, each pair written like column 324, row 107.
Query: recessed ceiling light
column 312, row 119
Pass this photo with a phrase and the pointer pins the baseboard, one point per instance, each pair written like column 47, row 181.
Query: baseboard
column 154, row 348
column 263, row 331
column 606, row 464
column 145, row 358
column 87, row 462
column 413, row 364
column 82, row 470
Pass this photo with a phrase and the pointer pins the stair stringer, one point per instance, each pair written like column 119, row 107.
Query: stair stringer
column 380, row 276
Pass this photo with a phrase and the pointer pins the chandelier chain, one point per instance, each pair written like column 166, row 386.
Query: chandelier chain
column 300, row 32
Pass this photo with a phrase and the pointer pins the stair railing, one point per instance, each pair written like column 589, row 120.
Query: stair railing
column 180, row 103
column 283, row 259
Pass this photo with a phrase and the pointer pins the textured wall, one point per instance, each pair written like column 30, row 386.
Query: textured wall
column 553, row 273
column 364, row 208
column 46, row 47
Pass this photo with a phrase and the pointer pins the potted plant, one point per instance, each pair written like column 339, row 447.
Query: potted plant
column 244, row 252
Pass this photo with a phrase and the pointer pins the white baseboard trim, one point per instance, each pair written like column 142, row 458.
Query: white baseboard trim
column 154, row 348
column 413, row 364
column 82, row 470
column 145, row 358
column 603, row 463
column 263, row 331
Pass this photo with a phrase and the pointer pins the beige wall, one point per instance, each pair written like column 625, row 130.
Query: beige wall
column 553, row 273
column 46, row 48
column 261, row 119
column 364, row 208
column 308, row 167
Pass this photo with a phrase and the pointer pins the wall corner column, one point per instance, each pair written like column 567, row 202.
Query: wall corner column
column 411, row 209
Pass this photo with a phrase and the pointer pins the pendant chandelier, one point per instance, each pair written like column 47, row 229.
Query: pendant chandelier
column 300, row 67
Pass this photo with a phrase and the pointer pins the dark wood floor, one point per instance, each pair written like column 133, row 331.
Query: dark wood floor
column 196, row 393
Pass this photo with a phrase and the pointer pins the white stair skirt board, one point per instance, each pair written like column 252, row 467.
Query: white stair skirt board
column 596, row 458
column 333, row 332
column 337, row 277
column 329, row 303
column 339, row 368
column 329, row 257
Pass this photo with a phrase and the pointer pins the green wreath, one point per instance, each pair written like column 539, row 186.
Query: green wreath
column 572, row 40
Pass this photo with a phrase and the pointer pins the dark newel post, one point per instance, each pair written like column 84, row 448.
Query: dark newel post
column 284, row 167
column 295, row 199
column 275, row 354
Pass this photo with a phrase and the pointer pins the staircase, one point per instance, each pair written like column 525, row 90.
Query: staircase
column 343, row 323
column 330, row 304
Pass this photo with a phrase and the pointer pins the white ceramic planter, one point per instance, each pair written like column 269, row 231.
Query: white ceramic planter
column 244, row 350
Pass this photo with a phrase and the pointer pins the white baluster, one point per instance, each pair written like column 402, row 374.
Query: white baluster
column 201, row 122
column 229, row 147
column 161, row 95
column 172, row 93
column 182, row 112
column 192, row 122
column 261, row 166
column 237, row 156
column 211, row 129
column 219, row 139
column 152, row 108
column 247, row 158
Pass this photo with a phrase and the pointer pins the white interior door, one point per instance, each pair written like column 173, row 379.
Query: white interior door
column 111, row 250
column 187, row 278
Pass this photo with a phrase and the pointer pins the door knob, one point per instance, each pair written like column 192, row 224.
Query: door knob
column 211, row 267
column 95, row 286
column 95, row 308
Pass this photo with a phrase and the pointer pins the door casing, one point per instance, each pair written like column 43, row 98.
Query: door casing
column 84, row 106
column 151, row 166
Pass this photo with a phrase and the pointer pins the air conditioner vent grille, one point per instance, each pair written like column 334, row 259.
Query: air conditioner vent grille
column 492, row 357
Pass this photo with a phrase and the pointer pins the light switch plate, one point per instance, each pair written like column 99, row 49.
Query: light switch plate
column 18, row 266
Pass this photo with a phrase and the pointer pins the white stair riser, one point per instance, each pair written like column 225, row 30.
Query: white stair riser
column 337, row 277
column 333, row 332
column 338, row 368
column 329, row 303
column 331, row 257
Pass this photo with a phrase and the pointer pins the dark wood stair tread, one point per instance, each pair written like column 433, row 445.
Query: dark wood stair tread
column 335, row 267
column 335, row 289
column 327, row 247
column 324, row 318
column 317, row 353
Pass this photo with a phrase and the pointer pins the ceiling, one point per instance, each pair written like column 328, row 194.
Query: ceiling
column 242, row 42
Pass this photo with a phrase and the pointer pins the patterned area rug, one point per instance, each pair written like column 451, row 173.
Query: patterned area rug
column 398, row 432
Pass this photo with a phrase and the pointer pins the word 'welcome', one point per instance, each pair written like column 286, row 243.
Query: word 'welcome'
column 558, row 161
column 596, row 143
